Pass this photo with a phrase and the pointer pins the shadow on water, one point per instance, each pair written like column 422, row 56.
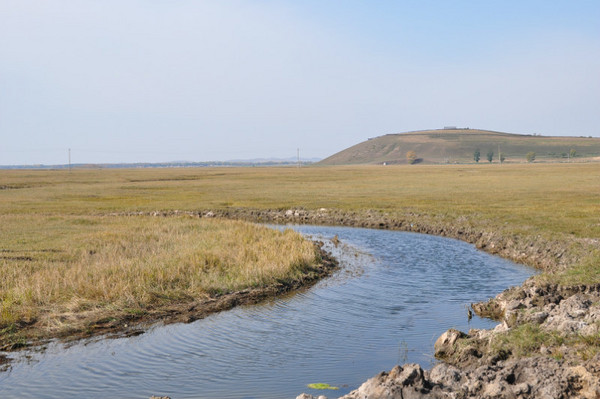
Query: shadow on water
column 394, row 295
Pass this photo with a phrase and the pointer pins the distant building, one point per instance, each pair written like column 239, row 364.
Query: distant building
column 449, row 127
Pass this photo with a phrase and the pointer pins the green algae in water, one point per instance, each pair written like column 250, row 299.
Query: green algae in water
column 320, row 385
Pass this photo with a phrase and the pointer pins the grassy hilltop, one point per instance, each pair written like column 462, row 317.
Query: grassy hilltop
column 458, row 146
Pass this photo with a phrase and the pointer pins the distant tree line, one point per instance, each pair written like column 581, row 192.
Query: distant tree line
column 411, row 156
column 489, row 156
column 530, row 156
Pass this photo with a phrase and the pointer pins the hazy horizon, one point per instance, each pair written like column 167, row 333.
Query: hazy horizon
column 227, row 162
column 139, row 81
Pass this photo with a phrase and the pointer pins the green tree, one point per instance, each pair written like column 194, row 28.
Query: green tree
column 572, row 153
column 476, row 155
column 411, row 157
column 530, row 156
column 490, row 156
column 502, row 157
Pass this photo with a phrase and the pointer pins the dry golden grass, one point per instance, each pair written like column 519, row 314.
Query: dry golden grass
column 56, row 266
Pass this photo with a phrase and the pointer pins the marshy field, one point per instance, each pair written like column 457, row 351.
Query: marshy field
column 83, row 249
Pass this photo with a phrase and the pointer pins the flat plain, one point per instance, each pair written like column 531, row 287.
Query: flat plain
column 85, row 242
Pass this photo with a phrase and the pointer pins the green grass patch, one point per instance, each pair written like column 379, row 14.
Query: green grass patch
column 320, row 385
column 585, row 272
column 528, row 339
column 525, row 340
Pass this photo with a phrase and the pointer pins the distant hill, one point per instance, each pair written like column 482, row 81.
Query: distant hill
column 457, row 145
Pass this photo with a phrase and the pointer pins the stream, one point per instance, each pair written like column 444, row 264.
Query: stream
column 395, row 293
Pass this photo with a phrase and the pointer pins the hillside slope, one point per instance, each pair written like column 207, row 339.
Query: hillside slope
column 458, row 146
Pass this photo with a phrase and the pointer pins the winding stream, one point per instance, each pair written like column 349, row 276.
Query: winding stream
column 396, row 293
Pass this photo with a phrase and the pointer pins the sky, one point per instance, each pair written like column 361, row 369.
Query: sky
column 172, row 80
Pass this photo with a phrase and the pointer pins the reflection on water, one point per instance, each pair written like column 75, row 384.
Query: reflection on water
column 395, row 294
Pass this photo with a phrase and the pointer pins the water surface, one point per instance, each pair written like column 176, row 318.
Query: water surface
column 395, row 294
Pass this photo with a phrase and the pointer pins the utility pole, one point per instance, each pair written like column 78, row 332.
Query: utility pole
column 69, row 160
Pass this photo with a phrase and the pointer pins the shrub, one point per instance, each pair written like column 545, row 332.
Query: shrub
column 411, row 157
column 572, row 153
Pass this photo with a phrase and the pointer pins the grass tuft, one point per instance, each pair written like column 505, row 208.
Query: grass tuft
column 587, row 271
column 525, row 340
column 528, row 339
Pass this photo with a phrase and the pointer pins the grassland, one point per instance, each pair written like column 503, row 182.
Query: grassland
column 67, row 249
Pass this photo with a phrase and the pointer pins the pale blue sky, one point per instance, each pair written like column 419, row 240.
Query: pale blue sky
column 158, row 80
